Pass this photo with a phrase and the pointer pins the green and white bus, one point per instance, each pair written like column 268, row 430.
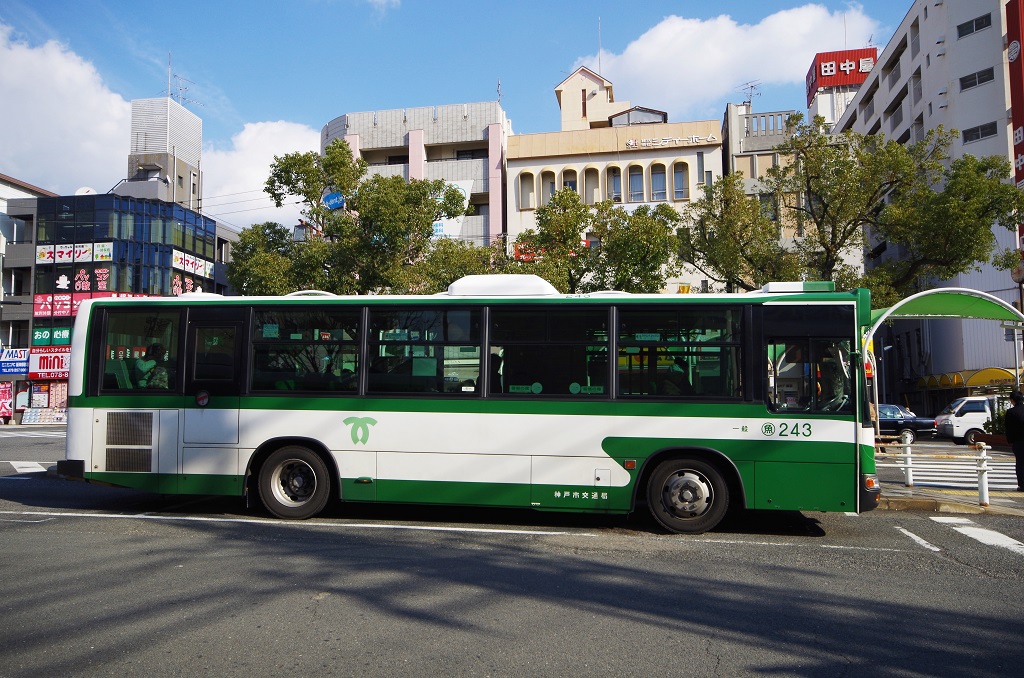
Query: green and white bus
column 501, row 392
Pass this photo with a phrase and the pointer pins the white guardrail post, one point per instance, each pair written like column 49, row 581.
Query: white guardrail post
column 983, row 474
column 906, row 464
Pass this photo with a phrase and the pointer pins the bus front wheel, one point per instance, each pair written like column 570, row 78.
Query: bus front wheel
column 294, row 483
column 688, row 496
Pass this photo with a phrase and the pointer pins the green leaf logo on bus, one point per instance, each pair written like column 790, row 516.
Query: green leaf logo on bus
column 360, row 428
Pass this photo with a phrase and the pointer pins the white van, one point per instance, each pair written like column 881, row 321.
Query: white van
column 964, row 418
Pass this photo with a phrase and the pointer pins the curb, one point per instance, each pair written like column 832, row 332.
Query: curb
column 941, row 506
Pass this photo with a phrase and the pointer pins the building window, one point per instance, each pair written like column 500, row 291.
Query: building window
column 547, row 187
column 569, row 179
column 636, row 184
column 681, row 181
column 658, row 187
column 975, row 79
column 591, row 189
column 980, row 132
column 973, row 26
column 700, row 165
column 526, row 191
column 614, row 184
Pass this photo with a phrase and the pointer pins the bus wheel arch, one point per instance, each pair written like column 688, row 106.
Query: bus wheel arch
column 293, row 478
column 690, row 490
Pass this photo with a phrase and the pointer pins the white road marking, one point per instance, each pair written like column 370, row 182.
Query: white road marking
column 27, row 466
column 4, row 433
column 922, row 542
column 967, row 527
column 252, row 521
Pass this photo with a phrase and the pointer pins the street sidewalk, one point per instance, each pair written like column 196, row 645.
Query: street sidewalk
column 896, row 496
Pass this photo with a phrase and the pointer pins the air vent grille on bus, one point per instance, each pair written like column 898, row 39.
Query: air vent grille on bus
column 130, row 428
column 130, row 442
column 129, row 460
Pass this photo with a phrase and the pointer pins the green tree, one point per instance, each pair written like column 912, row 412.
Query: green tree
column 836, row 190
column 310, row 176
column 386, row 223
column 636, row 250
column 733, row 239
column 943, row 233
column 831, row 188
column 558, row 245
column 446, row 260
column 261, row 260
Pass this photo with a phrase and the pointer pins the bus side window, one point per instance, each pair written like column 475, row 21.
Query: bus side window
column 131, row 336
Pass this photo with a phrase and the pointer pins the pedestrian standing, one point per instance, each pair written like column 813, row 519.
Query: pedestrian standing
column 1015, row 434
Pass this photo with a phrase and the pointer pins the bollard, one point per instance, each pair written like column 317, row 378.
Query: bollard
column 908, row 470
column 983, row 474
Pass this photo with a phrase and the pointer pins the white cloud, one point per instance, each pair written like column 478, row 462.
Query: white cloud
column 688, row 66
column 234, row 178
column 61, row 127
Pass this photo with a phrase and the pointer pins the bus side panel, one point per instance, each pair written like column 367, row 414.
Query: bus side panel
column 796, row 486
column 358, row 471
column 475, row 479
column 78, row 445
column 211, row 470
column 579, row 484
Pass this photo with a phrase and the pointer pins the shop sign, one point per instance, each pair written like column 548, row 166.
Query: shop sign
column 46, row 336
column 13, row 361
column 50, row 362
column 836, row 69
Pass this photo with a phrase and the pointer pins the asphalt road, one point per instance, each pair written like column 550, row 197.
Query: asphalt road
column 102, row 581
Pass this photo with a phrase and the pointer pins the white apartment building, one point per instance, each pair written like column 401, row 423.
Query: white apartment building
column 945, row 65
column 608, row 150
column 463, row 144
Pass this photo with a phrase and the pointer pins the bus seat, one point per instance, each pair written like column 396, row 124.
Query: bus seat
column 116, row 375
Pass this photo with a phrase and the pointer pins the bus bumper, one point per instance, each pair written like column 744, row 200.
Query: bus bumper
column 870, row 492
column 73, row 469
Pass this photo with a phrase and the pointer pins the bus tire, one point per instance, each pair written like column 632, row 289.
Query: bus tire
column 687, row 496
column 294, row 483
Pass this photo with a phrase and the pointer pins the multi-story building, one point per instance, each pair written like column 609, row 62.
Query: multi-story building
column 165, row 153
column 130, row 242
column 834, row 79
column 463, row 144
column 945, row 65
column 608, row 150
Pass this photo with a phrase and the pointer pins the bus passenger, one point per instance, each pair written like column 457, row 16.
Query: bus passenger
column 677, row 383
column 145, row 365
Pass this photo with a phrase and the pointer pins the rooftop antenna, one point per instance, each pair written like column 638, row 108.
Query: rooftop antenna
column 599, row 46
column 499, row 91
column 181, row 88
column 751, row 90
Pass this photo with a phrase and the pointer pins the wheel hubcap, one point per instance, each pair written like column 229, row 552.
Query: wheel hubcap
column 687, row 494
column 296, row 483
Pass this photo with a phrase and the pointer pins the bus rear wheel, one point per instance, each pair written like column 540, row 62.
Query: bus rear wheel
column 294, row 483
column 688, row 496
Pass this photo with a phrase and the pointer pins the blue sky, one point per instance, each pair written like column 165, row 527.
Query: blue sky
column 265, row 77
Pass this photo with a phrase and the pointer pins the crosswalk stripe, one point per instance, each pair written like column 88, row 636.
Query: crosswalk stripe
column 27, row 466
column 967, row 527
column 32, row 434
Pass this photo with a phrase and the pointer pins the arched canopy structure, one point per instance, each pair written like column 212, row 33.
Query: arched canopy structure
column 946, row 302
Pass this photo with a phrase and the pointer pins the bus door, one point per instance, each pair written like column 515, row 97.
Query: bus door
column 812, row 392
column 213, row 371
